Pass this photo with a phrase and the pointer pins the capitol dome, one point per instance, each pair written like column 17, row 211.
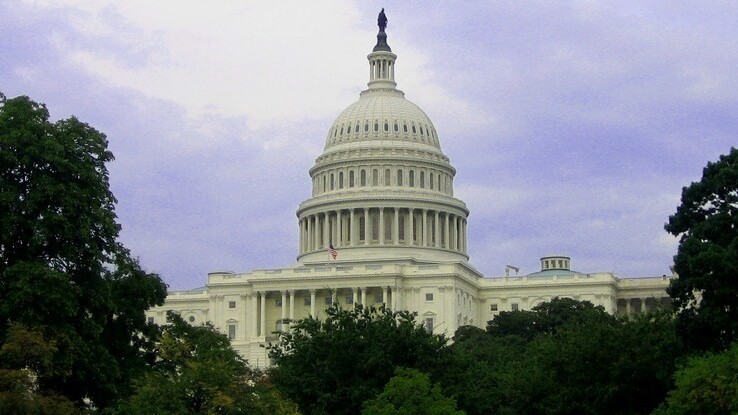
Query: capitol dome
column 382, row 188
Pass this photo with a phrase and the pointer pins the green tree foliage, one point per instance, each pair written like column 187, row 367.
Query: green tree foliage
column 61, row 268
column 410, row 392
column 24, row 354
column 707, row 259
column 198, row 372
column 706, row 385
column 566, row 357
column 331, row 366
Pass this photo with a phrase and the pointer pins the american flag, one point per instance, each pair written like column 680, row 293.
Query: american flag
column 332, row 251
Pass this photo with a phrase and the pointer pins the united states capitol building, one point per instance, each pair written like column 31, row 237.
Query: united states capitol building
column 383, row 227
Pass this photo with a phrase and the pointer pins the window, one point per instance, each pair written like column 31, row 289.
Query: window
column 362, row 228
column 351, row 178
column 428, row 296
column 278, row 302
column 191, row 319
column 366, row 127
column 340, row 180
column 386, row 126
column 279, row 325
column 404, row 127
column 514, row 307
column 376, row 127
column 375, row 177
column 396, row 127
column 307, row 301
column 348, row 129
column 493, row 307
column 378, row 299
column 431, row 181
column 411, row 178
column 328, row 300
column 231, row 331
column 387, row 177
column 401, row 227
column 231, row 304
column 150, row 320
column 350, row 299
column 399, row 177
column 363, row 178
column 428, row 325
column 414, row 131
column 422, row 180
column 333, row 181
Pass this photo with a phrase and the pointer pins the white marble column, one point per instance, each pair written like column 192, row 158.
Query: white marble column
column 254, row 332
column 396, row 227
column 352, row 227
column 339, row 234
column 312, row 303
column 292, row 304
column 384, row 295
column 326, row 230
column 436, row 231
column 446, row 230
column 262, row 326
column 367, row 229
column 393, row 298
column 410, row 237
column 284, row 306
column 356, row 295
column 425, row 227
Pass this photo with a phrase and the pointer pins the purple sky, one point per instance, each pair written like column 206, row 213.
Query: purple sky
column 573, row 125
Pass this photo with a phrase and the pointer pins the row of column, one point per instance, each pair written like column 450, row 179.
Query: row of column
column 258, row 321
column 643, row 302
column 383, row 226
column 381, row 69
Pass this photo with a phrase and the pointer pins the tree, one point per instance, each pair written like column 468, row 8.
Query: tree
column 545, row 318
column 62, row 270
column 706, row 385
column 198, row 372
column 706, row 291
column 331, row 366
column 410, row 392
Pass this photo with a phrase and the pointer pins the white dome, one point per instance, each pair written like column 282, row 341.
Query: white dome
column 378, row 116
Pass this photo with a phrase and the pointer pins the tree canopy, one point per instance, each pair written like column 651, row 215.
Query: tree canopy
column 411, row 392
column 706, row 290
column 62, row 270
column 331, row 366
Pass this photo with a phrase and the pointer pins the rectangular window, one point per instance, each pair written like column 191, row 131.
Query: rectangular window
column 328, row 300
column 150, row 320
column 428, row 325
column 278, row 302
column 378, row 299
column 307, row 301
column 428, row 296
column 231, row 304
column 231, row 331
column 493, row 307
column 350, row 299
column 514, row 307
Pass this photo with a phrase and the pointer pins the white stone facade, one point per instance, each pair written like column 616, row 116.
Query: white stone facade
column 382, row 201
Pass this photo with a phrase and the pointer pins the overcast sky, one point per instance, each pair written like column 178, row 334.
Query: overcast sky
column 573, row 125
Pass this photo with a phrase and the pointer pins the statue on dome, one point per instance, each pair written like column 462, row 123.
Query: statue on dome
column 382, row 20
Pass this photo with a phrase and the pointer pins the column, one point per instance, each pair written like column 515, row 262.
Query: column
column 410, row 237
column 292, row 304
column 262, row 296
column 628, row 308
column 643, row 305
column 384, row 295
column 367, row 235
column 425, row 227
column 356, row 295
column 312, row 303
column 326, row 230
column 396, row 227
column 284, row 305
column 310, row 233
column 456, row 234
column 339, row 234
column 381, row 226
column 437, row 230
column 446, row 234
column 299, row 226
column 254, row 332
column 363, row 296
column 316, row 232
column 352, row 227
column 393, row 295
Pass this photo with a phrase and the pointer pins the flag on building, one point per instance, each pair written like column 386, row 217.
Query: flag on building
column 332, row 251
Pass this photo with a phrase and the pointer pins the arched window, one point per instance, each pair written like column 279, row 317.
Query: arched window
column 362, row 178
column 351, row 178
column 348, row 129
column 324, row 187
column 366, row 127
column 386, row 126
column 411, row 178
column 404, row 127
column 340, row 180
column 431, row 181
column 414, row 131
column 439, row 183
column 357, row 127
column 387, row 177
column 375, row 177
column 422, row 180
column 376, row 127
column 399, row 177
column 333, row 180
column 396, row 127
column 375, row 225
